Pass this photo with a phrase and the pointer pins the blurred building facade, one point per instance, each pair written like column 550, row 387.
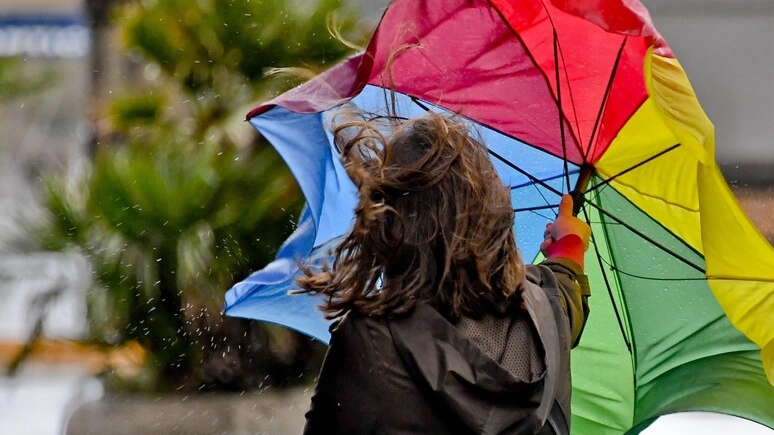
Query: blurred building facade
column 44, row 46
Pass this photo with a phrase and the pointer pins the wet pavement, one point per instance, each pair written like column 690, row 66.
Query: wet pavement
column 270, row 412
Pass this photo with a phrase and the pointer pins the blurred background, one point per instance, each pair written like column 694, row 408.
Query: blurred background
column 133, row 194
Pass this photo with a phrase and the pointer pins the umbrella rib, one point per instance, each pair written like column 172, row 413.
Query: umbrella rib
column 534, row 179
column 609, row 288
column 561, row 113
column 535, row 208
column 559, row 53
column 553, row 177
column 419, row 103
column 625, row 171
column 608, row 89
column 525, row 173
column 425, row 107
column 649, row 278
column 648, row 239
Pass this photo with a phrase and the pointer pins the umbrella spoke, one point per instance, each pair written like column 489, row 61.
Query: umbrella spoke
column 627, row 170
column 559, row 53
column 646, row 238
column 605, row 97
column 422, row 105
column 535, row 180
column 535, row 208
column 609, row 288
column 553, row 177
column 649, row 278
column 561, row 112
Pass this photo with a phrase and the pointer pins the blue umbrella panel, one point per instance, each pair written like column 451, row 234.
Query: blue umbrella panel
column 304, row 140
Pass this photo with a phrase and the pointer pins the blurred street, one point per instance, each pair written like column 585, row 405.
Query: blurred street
column 58, row 112
column 268, row 412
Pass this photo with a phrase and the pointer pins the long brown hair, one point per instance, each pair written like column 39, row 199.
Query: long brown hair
column 434, row 222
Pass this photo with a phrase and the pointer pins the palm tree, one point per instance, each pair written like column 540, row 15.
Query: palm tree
column 180, row 202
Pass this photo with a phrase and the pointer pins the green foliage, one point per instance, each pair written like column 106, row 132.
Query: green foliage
column 14, row 85
column 244, row 37
column 167, row 227
column 221, row 51
column 176, row 208
column 136, row 110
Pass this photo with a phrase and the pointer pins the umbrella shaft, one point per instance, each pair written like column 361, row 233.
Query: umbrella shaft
column 580, row 188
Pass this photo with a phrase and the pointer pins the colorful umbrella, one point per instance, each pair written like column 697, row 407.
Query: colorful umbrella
column 580, row 96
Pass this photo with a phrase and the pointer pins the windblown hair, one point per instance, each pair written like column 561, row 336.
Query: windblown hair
column 434, row 222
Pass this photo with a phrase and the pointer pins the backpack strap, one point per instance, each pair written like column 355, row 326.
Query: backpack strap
column 539, row 308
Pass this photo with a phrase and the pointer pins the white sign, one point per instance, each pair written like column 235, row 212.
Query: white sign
column 37, row 38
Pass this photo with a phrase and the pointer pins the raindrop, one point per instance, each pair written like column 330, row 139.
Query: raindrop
column 151, row 71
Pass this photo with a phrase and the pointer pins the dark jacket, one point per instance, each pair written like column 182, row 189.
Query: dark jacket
column 419, row 374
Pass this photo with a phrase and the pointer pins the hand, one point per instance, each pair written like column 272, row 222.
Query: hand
column 565, row 224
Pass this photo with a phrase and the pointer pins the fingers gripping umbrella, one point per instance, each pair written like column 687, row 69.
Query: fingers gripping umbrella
column 581, row 96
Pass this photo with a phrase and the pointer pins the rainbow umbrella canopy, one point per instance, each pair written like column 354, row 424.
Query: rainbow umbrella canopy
column 581, row 96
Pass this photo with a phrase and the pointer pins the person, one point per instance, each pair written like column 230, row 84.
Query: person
column 439, row 327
